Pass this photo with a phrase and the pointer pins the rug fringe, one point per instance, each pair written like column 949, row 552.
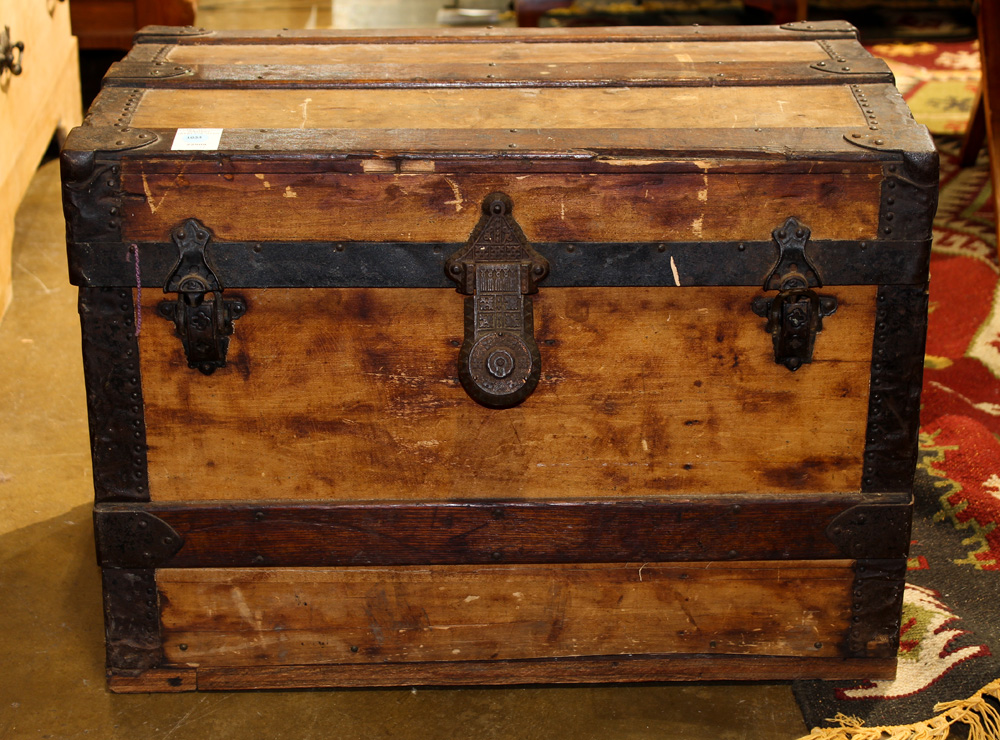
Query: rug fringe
column 982, row 718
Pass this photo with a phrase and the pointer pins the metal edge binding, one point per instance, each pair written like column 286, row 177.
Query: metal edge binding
column 872, row 530
column 155, row 34
column 133, row 641
column 133, row 539
column 876, row 608
column 113, row 381
column 154, row 70
column 820, row 27
column 109, row 139
column 877, row 67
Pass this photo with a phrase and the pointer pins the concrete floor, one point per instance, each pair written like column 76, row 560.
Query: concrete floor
column 51, row 632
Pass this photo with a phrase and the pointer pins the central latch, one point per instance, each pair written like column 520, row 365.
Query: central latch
column 795, row 315
column 498, row 364
column 204, row 324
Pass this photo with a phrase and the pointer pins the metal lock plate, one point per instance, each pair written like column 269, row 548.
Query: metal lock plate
column 499, row 364
column 203, row 324
column 795, row 315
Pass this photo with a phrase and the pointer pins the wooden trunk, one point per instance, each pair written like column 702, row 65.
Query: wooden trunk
column 666, row 429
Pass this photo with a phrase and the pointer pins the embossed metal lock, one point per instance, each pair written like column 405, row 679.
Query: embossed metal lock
column 795, row 315
column 204, row 326
column 499, row 364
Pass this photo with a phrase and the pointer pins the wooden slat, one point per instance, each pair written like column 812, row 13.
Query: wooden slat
column 674, row 529
column 537, row 54
column 800, row 106
column 503, row 35
column 377, row 206
column 566, row 670
column 353, row 394
column 172, row 679
column 227, row 617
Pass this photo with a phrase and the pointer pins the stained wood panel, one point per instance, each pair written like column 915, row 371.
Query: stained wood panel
column 353, row 394
column 554, row 670
column 232, row 617
column 534, row 108
column 549, row 207
column 538, row 53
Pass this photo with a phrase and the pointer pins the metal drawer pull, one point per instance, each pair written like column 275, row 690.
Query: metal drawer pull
column 7, row 52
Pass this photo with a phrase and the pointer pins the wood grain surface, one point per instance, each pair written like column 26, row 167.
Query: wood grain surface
column 613, row 669
column 378, row 206
column 537, row 54
column 258, row 616
column 566, row 670
column 353, row 394
column 798, row 106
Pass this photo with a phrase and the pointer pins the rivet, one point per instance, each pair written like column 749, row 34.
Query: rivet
column 662, row 248
column 354, row 648
column 856, row 135
column 879, row 142
column 733, row 553
column 845, row 69
column 712, row 644
column 742, row 247
column 182, row 646
column 143, row 524
column 864, row 245
column 570, row 247
column 258, row 515
column 737, row 508
column 889, row 217
column 890, row 201
column 799, row 233
column 821, row 64
column 339, row 247
column 495, row 555
column 512, row 146
column 455, row 269
column 818, row 645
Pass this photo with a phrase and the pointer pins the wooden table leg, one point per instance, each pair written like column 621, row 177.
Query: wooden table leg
column 989, row 36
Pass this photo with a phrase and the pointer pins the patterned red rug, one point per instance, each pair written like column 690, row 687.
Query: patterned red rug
column 950, row 646
column 938, row 80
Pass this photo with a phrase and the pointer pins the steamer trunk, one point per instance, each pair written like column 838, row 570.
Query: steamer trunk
column 665, row 428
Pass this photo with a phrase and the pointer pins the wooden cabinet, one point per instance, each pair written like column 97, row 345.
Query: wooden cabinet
column 110, row 24
column 43, row 99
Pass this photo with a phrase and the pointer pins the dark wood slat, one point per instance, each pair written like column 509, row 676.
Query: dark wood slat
column 498, row 74
column 560, row 670
column 502, row 145
column 678, row 529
